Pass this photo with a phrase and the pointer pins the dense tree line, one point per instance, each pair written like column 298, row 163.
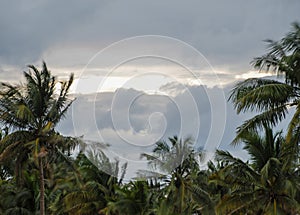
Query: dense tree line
column 38, row 175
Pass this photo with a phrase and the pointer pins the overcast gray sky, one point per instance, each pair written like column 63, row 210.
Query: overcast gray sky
column 67, row 34
column 182, row 74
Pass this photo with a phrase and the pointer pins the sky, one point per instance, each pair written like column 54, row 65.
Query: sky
column 144, row 70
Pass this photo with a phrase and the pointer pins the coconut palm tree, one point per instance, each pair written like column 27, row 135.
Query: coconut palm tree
column 272, row 178
column 266, row 185
column 272, row 99
column 134, row 198
column 32, row 111
column 87, row 189
column 181, row 190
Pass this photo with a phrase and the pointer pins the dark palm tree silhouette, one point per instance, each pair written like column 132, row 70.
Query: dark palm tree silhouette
column 32, row 111
column 270, row 98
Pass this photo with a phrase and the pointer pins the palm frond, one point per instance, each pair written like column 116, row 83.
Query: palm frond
column 294, row 123
column 269, row 118
column 261, row 95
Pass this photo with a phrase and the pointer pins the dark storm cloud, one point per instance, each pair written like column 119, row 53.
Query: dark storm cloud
column 228, row 33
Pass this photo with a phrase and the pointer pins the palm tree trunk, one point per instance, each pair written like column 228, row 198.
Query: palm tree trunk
column 42, row 188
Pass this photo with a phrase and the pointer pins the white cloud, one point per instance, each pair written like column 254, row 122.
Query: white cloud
column 132, row 121
column 254, row 74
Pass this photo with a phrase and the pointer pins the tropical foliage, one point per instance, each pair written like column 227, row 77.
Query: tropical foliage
column 272, row 99
column 42, row 173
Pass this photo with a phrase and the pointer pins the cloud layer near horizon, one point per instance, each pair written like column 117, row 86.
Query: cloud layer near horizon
column 132, row 121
